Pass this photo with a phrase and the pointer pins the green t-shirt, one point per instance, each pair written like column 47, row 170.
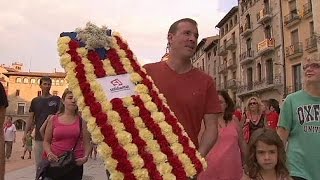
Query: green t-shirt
column 29, row 140
column 300, row 115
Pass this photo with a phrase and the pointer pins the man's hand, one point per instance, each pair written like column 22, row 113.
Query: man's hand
column 81, row 161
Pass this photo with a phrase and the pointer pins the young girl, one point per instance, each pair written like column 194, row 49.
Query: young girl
column 28, row 145
column 266, row 158
column 225, row 158
column 62, row 133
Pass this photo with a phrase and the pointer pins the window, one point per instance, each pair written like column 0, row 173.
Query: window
column 293, row 7
column 267, row 32
column 18, row 80
column 222, row 32
column 235, row 19
column 21, row 107
column 295, row 36
column 227, row 28
column 202, row 64
column 38, row 81
column 215, row 51
column 55, row 93
column 249, row 78
column 32, row 81
column 214, row 67
column 269, row 71
column 209, row 55
column 231, row 23
column 297, row 77
column 248, row 22
column 53, row 82
column 259, row 72
column 39, row 93
column 248, row 44
column 18, row 92
column 61, row 82
column 25, row 80
column 311, row 25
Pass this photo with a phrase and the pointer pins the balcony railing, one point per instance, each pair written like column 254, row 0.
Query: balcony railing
column 222, row 50
column 231, row 44
column 246, row 29
column 307, row 9
column 266, row 45
column 264, row 15
column 232, row 84
column 291, row 18
column 294, row 50
column 232, row 63
column 311, row 43
column 247, row 56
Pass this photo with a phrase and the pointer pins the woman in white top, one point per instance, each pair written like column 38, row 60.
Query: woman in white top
column 9, row 131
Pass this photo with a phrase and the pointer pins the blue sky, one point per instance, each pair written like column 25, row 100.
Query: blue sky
column 30, row 28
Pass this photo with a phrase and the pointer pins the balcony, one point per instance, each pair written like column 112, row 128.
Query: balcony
column 295, row 50
column 307, row 10
column 246, row 57
column 264, row 15
column 231, row 44
column 232, row 63
column 311, row 44
column 292, row 19
column 222, row 68
column 266, row 46
column 222, row 51
column 246, row 30
column 232, row 84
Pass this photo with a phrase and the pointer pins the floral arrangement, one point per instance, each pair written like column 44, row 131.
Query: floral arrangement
column 138, row 136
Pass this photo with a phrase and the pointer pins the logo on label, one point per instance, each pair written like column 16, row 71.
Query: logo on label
column 118, row 86
column 116, row 82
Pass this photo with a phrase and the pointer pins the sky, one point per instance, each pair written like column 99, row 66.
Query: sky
column 30, row 28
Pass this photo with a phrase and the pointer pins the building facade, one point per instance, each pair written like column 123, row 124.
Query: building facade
column 22, row 87
column 229, row 50
column 300, row 39
column 261, row 50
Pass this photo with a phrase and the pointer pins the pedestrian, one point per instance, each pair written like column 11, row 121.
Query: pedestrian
column 226, row 158
column 266, row 157
column 270, row 113
column 3, row 106
column 191, row 94
column 299, row 125
column 27, row 145
column 40, row 108
column 253, row 117
column 65, row 131
column 9, row 136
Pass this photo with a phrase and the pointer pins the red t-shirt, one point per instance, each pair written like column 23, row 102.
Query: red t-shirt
column 272, row 119
column 238, row 114
column 190, row 95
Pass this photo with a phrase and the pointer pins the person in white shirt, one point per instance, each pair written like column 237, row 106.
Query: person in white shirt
column 9, row 131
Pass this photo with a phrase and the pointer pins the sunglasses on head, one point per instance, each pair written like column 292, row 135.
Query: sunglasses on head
column 311, row 65
column 253, row 103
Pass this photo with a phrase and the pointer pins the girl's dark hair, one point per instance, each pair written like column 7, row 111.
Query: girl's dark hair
column 275, row 104
column 228, row 113
column 270, row 137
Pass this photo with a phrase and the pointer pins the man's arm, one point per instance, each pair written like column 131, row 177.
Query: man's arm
column 210, row 133
column 283, row 134
column 29, row 124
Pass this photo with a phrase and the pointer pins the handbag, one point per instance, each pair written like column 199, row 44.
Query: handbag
column 65, row 163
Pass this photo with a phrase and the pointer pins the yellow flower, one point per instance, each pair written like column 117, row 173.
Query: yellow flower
column 125, row 61
column 113, row 115
column 65, row 59
column 136, row 161
column 111, row 164
column 202, row 160
column 164, row 168
column 104, row 150
column 86, row 114
column 141, row 89
column 158, row 117
column 110, row 71
column 80, row 102
column 92, row 79
column 96, row 135
column 190, row 170
column 117, row 126
column 139, row 123
column 152, row 146
column 63, row 48
column 163, row 99
column 127, row 101
column 177, row 148
column 116, row 175
column 64, row 40
column 82, row 51
column 165, row 127
column 145, row 134
column 172, row 138
column 151, row 106
column 135, row 77
column 159, row 157
column 124, row 137
column 145, row 97
column 134, row 111
column 121, row 53
column 141, row 174
column 128, row 68
column 131, row 149
column 169, row 177
column 89, row 68
column 106, row 106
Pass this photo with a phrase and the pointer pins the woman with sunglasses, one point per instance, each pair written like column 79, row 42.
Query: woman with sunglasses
column 253, row 117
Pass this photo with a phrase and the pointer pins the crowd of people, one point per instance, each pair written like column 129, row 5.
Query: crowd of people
column 238, row 143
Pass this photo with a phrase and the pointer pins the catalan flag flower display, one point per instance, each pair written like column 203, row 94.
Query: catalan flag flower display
column 138, row 136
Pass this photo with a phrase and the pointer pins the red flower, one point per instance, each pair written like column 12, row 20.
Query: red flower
column 100, row 72
column 72, row 52
column 101, row 119
column 95, row 108
column 81, row 77
column 80, row 69
column 89, row 98
column 139, row 142
column 73, row 44
column 148, row 83
column 93, row 57
column 85, row 87
column 77, row 59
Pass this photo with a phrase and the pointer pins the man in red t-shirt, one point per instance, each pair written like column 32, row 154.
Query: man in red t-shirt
column 191, row 94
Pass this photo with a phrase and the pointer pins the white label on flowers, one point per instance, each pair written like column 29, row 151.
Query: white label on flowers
column 119, row 86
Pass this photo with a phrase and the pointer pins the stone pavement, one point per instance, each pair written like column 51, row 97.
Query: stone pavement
column 93, row 170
